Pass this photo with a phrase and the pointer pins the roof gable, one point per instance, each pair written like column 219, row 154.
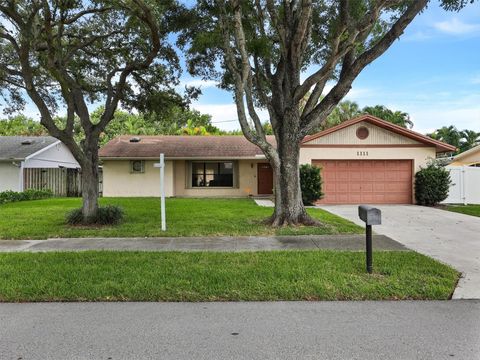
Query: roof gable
column 11, row 147
column 381, row 133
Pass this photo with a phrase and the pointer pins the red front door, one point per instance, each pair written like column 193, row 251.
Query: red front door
column 265, row 179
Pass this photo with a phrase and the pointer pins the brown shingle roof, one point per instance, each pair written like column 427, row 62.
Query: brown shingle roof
column 181, row 147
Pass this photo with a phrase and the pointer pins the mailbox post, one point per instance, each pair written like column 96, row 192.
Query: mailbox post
column 371, row 216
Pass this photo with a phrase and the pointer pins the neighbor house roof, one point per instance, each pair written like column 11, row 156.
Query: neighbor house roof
column 440, row 146
column 126, row 147
column 20, row 147
column 469, row 152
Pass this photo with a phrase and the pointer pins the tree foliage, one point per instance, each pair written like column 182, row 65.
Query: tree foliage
column 463, row 140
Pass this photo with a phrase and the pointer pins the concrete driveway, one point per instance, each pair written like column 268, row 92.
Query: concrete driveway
column 446, row 236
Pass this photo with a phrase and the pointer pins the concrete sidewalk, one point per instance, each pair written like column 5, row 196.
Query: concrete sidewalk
column 354, row 242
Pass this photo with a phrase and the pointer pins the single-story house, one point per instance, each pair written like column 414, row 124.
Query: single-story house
column 36, row 162
column 363, row 160
column 468, row 158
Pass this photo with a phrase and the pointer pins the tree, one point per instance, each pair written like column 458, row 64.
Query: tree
column 344, row 111
column 447, row 134
column 21, row 125
column 399, row 118
column 259, row 49
column 72, row 53
column 470, row 139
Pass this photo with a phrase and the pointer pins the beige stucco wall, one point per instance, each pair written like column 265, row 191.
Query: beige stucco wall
column 469, row 159
column 9, row 177
column 119, row 181
column 246, row 181
column 419, row 155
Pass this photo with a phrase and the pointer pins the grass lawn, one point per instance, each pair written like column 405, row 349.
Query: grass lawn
column 41, row 219
column 473, row 210
column 210, row 276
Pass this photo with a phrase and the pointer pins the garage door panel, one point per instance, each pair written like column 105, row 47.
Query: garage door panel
column 366, row 181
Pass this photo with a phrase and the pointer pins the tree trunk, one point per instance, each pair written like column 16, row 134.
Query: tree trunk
column 289, row 208
column 90, row 183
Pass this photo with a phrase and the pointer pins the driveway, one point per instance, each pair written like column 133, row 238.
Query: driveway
column 446, row 236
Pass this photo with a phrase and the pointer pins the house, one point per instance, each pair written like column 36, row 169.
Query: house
column 468, row 158
column 37, row 162
column 363, row 160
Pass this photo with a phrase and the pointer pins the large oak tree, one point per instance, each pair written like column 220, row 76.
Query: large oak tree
column 66, row 54
column 259, row 49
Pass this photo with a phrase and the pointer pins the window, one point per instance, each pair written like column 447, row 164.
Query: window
column 212, row 174
column 137, row 166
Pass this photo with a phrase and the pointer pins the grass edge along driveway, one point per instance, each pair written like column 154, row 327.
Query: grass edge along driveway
column 213, row 276
column 41, row 219
column 472, row 210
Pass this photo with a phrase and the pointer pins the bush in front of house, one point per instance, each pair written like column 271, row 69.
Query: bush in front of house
column 432, row 185
column 30, row 194
column 310, row 183
column 106, row 215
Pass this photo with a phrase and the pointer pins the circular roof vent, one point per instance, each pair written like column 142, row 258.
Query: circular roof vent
column 135, row 139
column 362, row 133
column 27, row 142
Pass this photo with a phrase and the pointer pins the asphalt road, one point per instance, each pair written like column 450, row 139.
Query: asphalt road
column 280, row 330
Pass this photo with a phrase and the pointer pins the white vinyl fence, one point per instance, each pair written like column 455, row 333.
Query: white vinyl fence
column 465, row 188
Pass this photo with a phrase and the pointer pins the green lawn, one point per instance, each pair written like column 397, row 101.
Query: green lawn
column 473, row 210
column 41, row 219
column 211, row 276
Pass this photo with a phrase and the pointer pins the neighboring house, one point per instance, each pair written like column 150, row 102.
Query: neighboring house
column 37, row 162
column 364, row 160
column 468, row 158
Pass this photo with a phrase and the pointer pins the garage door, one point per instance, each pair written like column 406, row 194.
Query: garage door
column 366, row 181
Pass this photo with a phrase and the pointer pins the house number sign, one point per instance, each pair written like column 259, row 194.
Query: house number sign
column 362, row 153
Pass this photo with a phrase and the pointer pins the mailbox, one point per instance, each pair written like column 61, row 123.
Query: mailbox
column 370, row 215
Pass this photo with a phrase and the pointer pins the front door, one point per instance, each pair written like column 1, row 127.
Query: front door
column 265, row 179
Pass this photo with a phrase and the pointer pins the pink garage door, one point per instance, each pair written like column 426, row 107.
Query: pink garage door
column 366, row 181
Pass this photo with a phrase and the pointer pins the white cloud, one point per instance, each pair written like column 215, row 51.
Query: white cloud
column 198, row 83
column 417, row 36
column 455, row 26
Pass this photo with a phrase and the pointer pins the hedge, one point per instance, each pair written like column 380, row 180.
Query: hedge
column 30, row 194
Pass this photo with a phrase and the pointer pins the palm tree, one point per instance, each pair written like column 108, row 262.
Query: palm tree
column 447, row 134
column 470, row 139
column 399, row 118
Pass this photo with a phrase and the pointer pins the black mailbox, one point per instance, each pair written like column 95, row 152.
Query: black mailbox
column 371, row 216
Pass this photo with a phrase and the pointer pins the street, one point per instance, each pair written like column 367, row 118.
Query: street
column 249, row 330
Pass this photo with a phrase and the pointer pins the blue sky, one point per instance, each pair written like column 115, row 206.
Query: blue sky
column 432, row 73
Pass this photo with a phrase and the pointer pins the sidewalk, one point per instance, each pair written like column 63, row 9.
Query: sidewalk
column 241, row 243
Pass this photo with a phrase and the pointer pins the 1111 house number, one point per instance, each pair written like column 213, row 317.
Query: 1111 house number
column 362, row 153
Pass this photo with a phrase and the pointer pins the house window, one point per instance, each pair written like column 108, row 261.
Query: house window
column 137, row 166
column 212, row 174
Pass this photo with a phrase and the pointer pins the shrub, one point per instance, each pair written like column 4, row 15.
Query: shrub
column 310, row 183
column 432, row 185
column 30, row 194
column 106, row 215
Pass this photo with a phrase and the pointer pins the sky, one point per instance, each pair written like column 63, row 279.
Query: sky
column 432, row 72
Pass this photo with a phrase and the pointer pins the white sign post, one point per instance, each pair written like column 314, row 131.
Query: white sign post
column 162, row 192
